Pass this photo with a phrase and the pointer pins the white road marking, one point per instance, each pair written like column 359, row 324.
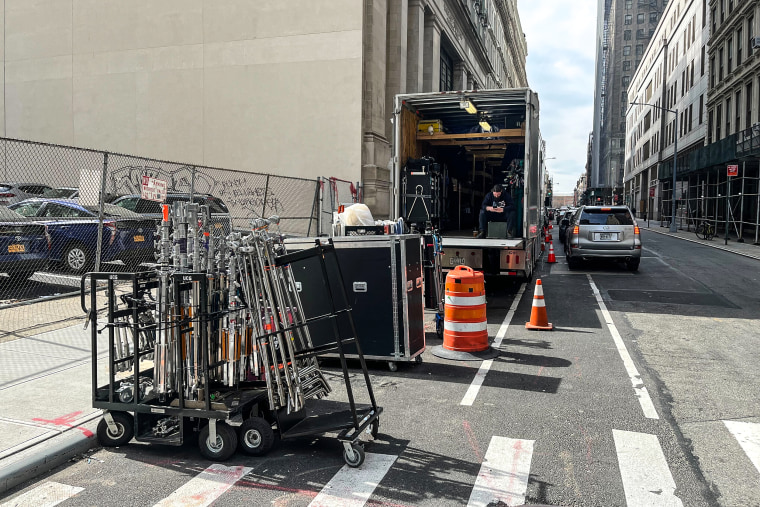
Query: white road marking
column 748, row 436
column 638, row 386
column 352, row 487
column 644, row 470
column 472, row 391
column 206, row 487
column 503, row 476
column 46, row 495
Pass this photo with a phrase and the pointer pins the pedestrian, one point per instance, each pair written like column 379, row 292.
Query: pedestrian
column 497, row 207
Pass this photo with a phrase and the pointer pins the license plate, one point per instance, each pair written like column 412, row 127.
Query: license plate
column 456, row 261
column 606, row 236
column 16, row 249
column 139, row 239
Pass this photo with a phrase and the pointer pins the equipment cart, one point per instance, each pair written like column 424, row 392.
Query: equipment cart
column 225, row 354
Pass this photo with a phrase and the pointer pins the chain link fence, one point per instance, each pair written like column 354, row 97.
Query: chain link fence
column 54, row 226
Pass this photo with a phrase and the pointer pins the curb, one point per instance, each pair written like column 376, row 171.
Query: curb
column 717, row 247
column 44, row 461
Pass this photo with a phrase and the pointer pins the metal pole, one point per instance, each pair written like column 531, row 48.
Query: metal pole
column 728, row 196
column 101, row 215
column 673, row 227
column 741, row 207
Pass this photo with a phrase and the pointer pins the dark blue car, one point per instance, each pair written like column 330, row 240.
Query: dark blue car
column 73, row 229
column 24, row 246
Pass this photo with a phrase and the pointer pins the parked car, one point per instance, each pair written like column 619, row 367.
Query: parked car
column 220, row 215
column 604, row 232
column 70, row 193
column 15, row 192
column 24, row 246
column 564, row 223
column 73, row 229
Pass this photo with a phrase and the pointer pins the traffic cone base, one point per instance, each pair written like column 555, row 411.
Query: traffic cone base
column 538, row 318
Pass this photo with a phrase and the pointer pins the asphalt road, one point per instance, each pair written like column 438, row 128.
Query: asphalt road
column 630, row 400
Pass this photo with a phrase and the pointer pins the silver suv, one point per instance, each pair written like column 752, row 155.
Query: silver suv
column 603, row 232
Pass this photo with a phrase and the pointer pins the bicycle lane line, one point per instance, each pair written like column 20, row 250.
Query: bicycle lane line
column 638, row 385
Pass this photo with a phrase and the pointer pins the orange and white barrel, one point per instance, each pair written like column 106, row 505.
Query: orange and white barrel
column 465, row 327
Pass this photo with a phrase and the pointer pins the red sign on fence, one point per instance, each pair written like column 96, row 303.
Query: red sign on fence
column 733, row 170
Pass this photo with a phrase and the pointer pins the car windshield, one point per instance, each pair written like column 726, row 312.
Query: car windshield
column 5, row 187
column 605, row 216
column 7, row 215
column 57, row 193
column 28, row 209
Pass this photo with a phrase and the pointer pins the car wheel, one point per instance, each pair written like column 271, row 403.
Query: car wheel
column 77, row 259
column 633, row 264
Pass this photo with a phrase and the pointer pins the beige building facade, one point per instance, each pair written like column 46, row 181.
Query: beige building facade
column 299, row 87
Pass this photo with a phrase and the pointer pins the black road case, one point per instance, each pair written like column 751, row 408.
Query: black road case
column 384, row 282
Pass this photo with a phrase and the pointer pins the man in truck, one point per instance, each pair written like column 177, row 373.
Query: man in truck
column 497, row 207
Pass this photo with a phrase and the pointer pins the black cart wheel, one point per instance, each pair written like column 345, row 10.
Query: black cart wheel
column 418, row 359
column 358, row 457
column 392, row 366
column 224, row 446
column 374, row 428
column 256, row 436
column 125, row 425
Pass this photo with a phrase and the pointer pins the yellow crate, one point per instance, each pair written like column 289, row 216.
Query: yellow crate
column 422, row 126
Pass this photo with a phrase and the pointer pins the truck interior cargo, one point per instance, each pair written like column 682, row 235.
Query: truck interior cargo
column 453, row 147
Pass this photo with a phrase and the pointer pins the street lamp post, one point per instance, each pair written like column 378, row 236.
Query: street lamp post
column 673, row 227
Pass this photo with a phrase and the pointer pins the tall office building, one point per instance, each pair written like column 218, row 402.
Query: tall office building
column 624, row 28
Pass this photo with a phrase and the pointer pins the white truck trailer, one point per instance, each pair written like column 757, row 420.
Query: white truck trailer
column 463, row 143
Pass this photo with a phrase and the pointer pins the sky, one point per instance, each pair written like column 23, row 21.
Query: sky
column 560, row 37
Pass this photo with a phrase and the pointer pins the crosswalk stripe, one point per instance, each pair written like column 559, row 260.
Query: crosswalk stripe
column 748, row 436
column 644, row 470
column 503, row 476
column 352, row 487
column 206, row 487
column 46, row 495
column 480, row 376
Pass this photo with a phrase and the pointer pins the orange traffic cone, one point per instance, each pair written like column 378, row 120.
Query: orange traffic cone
column 538, row 319
column 552, row 259
column 548, row 237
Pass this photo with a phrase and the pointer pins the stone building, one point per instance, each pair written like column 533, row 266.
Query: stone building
column 672, row 79
column 297, row 87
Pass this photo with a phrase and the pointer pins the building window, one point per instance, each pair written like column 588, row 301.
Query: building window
column 738, row 106
column 627, row 35
column 653, row 17
column 739, row 47
column 691, row 118
column 626, row 50
column 718, row 117
column 750, row 31
column 640, row 18
column 626, row 81
column 712, row 17
column 628, row 4
column 748, row 117
column 701, row 108
column 640, row 34
column 628, row 19
column 639, row 50
column 447, row 72
column 709, row 127
column 712, row 72
column 728, row 116
column 730, row 6
column 702, row 62
column 720, row 64
column 627, row 65
column 730, row 50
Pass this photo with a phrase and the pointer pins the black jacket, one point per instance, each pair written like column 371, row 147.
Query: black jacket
column 490, row 200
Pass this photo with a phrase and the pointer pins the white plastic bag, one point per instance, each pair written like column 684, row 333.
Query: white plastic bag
column 356, row 214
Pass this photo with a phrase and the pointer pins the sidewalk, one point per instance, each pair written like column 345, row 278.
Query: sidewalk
column 45, row 394
column 45, row 389
column 746, row 249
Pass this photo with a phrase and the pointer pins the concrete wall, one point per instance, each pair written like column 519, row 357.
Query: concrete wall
column 262, row 85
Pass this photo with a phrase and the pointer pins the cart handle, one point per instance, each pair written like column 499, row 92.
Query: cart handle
column 81, row 293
